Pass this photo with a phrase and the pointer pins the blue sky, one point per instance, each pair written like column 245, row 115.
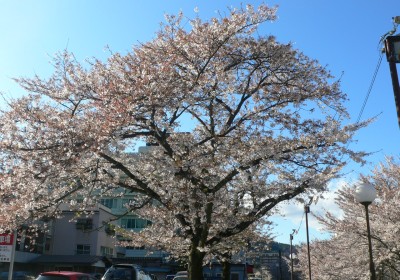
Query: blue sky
column 341, row 34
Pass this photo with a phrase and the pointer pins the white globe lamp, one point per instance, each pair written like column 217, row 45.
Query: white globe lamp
column 365, row 193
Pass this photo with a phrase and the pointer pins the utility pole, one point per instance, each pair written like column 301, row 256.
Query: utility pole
column 392, row 49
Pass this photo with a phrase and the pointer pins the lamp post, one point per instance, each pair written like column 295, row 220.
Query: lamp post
column 366, row 194
column 291, row 255
column 392, row 49
column 307, row 210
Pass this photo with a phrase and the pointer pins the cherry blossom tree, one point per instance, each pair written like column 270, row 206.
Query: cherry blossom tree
column 239, row 123
column 345, row 255
column 164, row 235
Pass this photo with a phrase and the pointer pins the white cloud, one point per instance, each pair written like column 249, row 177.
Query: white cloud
column 292, row 215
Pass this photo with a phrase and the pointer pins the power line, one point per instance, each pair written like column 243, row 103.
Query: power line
column 370, row 87
column 301, row 222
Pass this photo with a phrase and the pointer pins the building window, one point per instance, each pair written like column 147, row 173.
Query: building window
column 134, row 223
column 135, row 247
column 109, row 202
column 141, row 223
column 128, row 223
column 106, row 251
column 83, row 249
column 234, row 276
column 84, row 224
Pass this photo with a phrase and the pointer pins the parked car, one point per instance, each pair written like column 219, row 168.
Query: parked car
column 96, row 275
column 126, row 272
column 181, row 275
column 64, row 275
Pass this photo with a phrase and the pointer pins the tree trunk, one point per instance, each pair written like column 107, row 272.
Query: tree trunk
column 195, row 265
column 226, row 270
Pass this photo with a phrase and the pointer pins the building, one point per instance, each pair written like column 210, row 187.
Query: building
column 76, row 243
column 82, row 235
column 273, row 262
column 129, row 221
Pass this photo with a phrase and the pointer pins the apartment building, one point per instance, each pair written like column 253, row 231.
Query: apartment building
column 71, row 242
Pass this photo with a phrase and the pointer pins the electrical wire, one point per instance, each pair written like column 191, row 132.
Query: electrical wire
column 370, row 87
column 301, row 222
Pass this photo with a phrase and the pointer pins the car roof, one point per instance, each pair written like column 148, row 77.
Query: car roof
column 183, row 277
column 63, row 273
column 126, row 265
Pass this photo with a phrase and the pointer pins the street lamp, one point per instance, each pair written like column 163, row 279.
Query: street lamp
column 291, row 255
column 307, row 210
column 366, row 194
column 392, row 49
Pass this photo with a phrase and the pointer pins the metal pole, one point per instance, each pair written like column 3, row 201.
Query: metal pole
column 307, row 210
column 291, row 257
column 280, row 264
column 11, row 268
column 371, row 260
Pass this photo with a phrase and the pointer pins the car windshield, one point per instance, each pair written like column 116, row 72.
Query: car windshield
column 52, row 277
column 119, row 273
